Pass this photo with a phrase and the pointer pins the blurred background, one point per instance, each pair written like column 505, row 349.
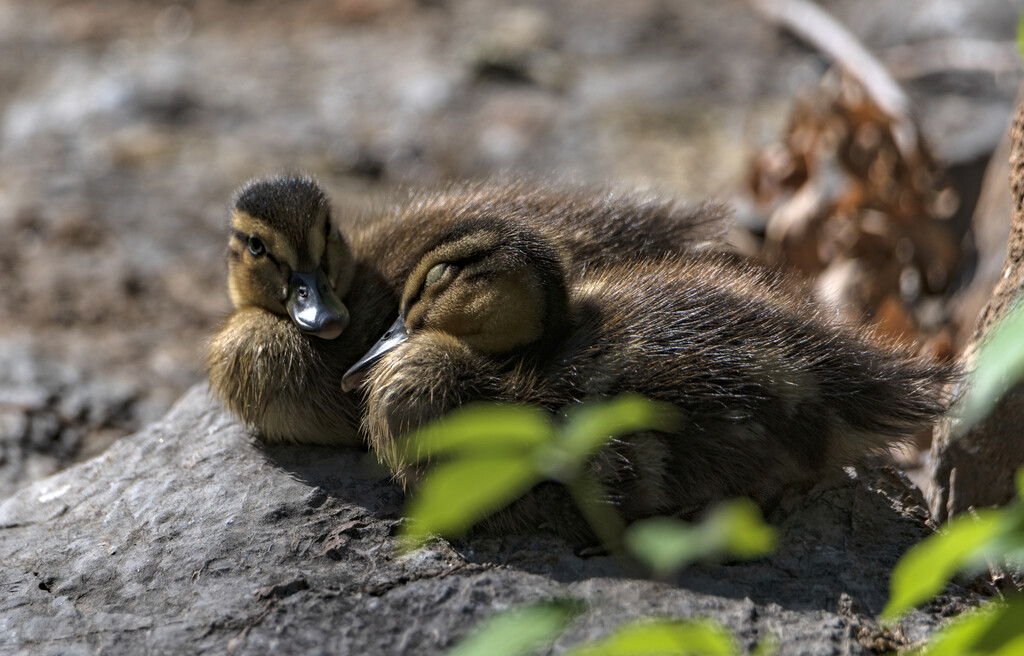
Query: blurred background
column 125, row 126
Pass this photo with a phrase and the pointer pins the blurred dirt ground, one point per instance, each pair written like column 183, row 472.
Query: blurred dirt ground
column 126, row 125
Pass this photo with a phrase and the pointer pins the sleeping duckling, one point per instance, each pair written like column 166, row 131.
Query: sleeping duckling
column 591, row 228
column 278, row 360
column 772, row 389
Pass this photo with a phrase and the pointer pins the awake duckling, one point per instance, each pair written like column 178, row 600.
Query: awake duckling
column 276, row 362
column 771, row 388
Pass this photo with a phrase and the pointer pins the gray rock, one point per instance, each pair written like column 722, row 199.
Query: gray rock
column 51, row 415
column 189, row 536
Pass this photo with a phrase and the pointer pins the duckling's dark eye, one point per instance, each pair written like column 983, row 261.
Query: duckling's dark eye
column 256, row 246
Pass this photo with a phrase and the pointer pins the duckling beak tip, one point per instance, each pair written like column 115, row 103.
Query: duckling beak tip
column 353, row 381
column 356, row 375
column 331, row 329
column 314, row 307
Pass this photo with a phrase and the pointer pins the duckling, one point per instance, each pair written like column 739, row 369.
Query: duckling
column 590, row 227
column 276, row 363
column 278, row 360
column 772, row 389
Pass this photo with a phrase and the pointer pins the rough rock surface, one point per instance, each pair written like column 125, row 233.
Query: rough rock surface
column 52, row 415
column 188, row 535
column 977, row 469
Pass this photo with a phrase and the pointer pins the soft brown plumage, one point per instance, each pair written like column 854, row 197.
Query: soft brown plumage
column 772, row 388
column 285, row 382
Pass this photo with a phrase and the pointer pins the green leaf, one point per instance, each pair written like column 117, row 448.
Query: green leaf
column 999, row 366
column 652, row 637
column 665, row 545
column 1009, row 543
column 519, row 631
column 592, row 500
column 480, row 429
column 734, row 528
column 590, row 426
column 995, row 629
column 742, row 529
column 769, row 646
column 927, row 566
column 1020, row 36
column 453, row 496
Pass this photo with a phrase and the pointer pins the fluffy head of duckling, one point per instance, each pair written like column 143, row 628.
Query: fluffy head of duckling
column 286, row 256
column 495, row 287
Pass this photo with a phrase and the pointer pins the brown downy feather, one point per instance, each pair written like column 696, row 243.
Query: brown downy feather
column 772, row 389
column 590, row 228
column 285, row 384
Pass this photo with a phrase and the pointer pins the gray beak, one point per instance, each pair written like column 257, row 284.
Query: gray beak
column 314, row 307
column 394, row 336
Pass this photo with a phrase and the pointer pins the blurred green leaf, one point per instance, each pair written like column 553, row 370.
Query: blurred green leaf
column 481, row 429
column 653, row 637
column 666, row 545
column 519, row 631
column 603, row 518
column 927, row 566
column 769, row 646
column 743, row 530
column 1008, row 544
column 499, row 451
column 456, row 495
column 588, row 427
column 999, row 366
column 1020, row 36
column 735, row 528
column 996, row 629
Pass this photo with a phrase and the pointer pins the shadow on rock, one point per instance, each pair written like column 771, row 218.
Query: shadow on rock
column 838, row 543
column 839, row 540
column 346, row 475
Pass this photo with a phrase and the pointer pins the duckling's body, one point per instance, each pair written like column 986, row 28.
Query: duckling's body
column 281, row 381
column 284, row 380
column 772, row 389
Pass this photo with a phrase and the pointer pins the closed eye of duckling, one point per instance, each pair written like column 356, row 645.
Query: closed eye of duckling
column 487, row 285
column 436, row 273
column 398, row 332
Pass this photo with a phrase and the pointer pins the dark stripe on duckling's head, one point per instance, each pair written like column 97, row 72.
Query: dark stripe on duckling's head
column 287, row 204
column 285, row 255
column 293, row 208
column 497, row 286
